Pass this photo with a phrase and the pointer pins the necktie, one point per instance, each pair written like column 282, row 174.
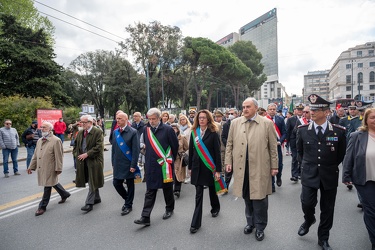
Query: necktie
column 153, row 129
column 121, row 130
column 320, row 133
column 85, row 133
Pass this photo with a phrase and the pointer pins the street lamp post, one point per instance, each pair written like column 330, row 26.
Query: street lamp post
column 148, row 88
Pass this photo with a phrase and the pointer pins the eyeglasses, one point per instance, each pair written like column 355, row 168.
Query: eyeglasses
column 231, row 113
column 7, row 123
column 43, row 126
column 202, row 118
column 306, row 112
column 84, row 122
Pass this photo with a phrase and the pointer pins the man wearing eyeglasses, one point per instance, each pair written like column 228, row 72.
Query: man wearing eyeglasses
column 9, row 143
column 88, row 150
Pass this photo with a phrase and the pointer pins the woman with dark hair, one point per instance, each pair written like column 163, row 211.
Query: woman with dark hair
column 204, row 164
column 359, row 168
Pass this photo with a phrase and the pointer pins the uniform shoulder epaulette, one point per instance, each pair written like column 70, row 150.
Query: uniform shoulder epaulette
column 303, row 125
column 339, row 126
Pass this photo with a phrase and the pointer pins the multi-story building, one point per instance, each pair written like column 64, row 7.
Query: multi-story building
column 262, row 32
column 353, row 74
column 316, row 82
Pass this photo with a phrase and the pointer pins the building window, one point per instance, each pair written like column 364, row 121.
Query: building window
column 360, row 87
column 372, row 87
column 359, row 53
column 360, row 65
column 348, row 96
column 372, row 64
column 360, row 77
column 348, row 88
column 372, row 76
column 348, row 78
column 371, row 52
column 348, row 66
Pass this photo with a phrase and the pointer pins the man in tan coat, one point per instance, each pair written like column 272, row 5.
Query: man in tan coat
column 251, row 152
column 48, row 162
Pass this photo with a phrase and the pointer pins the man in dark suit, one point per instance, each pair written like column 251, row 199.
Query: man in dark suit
column 125, row 151
column 321, row 148
column 281, row 135
column 138, row 124
column 161, row 149
column 291, row 128
column 88, row 150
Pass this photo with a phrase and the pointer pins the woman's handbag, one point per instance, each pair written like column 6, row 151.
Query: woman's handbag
column 185, row 159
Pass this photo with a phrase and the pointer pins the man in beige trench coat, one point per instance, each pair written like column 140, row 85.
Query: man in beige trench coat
column 252, row 153
column 48, row 162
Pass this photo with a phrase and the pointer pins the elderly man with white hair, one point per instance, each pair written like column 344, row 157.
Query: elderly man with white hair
column 88, row 150
column 48, row 162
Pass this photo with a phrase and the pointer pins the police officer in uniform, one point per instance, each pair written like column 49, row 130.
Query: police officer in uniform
column 321, row 147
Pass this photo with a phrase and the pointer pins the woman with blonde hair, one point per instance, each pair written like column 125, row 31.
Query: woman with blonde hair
column 165, row 117
column 204, row 164
column 359, row 168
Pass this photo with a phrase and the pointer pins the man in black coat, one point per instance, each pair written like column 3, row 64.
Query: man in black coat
column 138, row 124
column 321, row 147
column 125, row 151
column 291, row 128
column 161, row 150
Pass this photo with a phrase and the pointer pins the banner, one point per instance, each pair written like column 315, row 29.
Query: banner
column 48, row 115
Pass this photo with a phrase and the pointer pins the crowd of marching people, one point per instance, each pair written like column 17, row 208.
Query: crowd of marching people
column 216, row 150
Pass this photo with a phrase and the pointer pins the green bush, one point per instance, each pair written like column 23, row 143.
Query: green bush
column 21, row 110
column 71, row 115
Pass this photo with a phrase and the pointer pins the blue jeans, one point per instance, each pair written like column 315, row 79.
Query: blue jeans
column 14, row 154
column 61, row 136
column 30, row 153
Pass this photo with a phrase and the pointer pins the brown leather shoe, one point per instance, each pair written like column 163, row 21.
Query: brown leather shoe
column 39, row 212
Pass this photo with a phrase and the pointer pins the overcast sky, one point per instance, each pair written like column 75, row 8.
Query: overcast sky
column 311, row 33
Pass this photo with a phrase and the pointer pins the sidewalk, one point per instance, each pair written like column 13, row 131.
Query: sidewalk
column 22, row 153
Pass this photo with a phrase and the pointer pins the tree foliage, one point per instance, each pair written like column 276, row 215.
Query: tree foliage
column 22, row 110
column 26, row 63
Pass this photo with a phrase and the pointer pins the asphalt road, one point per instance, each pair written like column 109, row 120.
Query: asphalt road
column 65, row 226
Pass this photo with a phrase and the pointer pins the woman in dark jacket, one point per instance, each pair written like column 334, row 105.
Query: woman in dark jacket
column 204, row 131
column 359, row 168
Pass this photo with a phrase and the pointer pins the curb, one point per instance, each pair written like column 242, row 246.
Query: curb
column 65, row 151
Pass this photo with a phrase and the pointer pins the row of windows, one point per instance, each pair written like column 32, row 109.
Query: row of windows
column 360, row 65
column 349, row 88
column 360, row 77
column 370, row 53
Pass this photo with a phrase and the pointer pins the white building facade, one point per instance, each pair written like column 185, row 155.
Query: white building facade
column 353, row 74
column 316, row 82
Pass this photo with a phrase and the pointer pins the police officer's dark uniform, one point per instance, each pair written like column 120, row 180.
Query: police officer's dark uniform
column 320, row 150
column 291, row 134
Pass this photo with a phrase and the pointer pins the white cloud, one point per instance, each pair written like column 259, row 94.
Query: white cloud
column 311, row 33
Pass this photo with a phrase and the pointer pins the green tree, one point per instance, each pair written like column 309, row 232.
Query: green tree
column 27, row 15
column 26, row 63
column 22, row 110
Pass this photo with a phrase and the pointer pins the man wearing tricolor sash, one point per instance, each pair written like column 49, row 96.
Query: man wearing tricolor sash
column 161, row 145
column 279, row 125
column 252, row 151
column 125, row 152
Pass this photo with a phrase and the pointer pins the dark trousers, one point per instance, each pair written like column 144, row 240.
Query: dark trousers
column 215, row 204
column 327, row 206
column 150, row 198
column 176, row 184
column 256, row 212
column 368, row 202
column 92, row 196
column 47, row 195
column 295, row 169
column 128, row 196
column 280, row 156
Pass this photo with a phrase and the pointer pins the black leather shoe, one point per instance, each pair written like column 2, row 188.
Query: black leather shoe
column 359, row 205
column 215, row 214
column 305, row 227
column 259, row 235
column 97, row 201
column 86, row 208
column 279, row 182
column 177, row 194
column 248, row 229
column 167, row 215
column 193, row 230
column 143, row 221
column 350, row 186
column 126, row 210
column 324, row 244
column 63, row 199
column 273, row 189
column 295, row 179
column 40, row 211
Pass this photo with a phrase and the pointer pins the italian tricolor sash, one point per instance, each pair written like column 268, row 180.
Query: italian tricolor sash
column 206, row 158
column 278, row 133
column 165, row 160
